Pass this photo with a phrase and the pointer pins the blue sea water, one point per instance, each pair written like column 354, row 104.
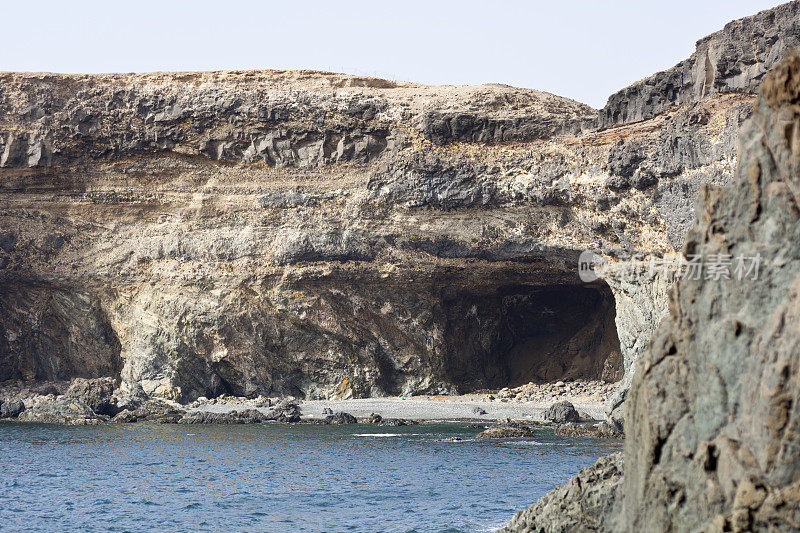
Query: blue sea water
column 273, row 477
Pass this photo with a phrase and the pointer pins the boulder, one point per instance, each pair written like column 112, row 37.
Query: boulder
column 341, row 418
column 561, row 412
column 97, row 393
column 11, row 408
column 285, row 411
column 374, row 418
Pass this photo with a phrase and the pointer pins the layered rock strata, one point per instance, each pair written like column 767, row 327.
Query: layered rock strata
column 324, row 235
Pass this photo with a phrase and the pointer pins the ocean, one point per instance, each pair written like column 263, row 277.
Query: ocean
column 275, row 477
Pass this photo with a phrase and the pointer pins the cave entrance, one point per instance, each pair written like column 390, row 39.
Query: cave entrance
column 511, row 335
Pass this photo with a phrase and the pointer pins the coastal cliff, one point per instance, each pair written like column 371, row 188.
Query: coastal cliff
column 712, row 414
column 296, row 233
column 332, row 236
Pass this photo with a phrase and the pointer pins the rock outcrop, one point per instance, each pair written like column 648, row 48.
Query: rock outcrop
column 713, row 412
column 97, row 394
column 712, row 417
column 732, row 60
column 586, row 503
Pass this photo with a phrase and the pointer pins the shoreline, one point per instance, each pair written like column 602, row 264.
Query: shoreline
column 463, row 408
column 99, row 401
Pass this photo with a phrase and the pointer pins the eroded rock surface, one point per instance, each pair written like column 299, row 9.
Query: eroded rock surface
column 712, row 417
column 586, row 503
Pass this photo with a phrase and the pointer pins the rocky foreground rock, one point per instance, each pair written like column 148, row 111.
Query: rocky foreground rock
column 713, row 416
column 714, row 419
column 587, row 503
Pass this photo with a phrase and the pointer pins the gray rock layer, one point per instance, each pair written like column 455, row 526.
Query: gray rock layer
column 714, row 410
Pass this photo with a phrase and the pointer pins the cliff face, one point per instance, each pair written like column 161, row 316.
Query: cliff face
column 713, row 420
column 713, row 412
column 331, row 236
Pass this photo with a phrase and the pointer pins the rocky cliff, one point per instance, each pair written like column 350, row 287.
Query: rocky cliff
column 713, row 412
column 732, row 60
column 325, row 235
column 712, row 416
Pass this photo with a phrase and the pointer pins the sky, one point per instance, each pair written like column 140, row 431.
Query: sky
column 581, row 49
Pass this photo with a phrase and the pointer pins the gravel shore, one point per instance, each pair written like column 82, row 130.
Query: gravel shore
column 447, row 408
column 444, row 408
column 527, row 402
column 93, row 401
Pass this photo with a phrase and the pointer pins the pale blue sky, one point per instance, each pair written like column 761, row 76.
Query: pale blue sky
column 583, row 49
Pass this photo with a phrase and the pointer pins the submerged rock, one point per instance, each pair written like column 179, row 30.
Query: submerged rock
column 602, row 430
column 397, row 422
column 506, row 432
column 243, row 416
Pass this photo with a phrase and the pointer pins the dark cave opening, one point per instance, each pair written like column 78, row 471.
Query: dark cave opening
column 510, row 335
